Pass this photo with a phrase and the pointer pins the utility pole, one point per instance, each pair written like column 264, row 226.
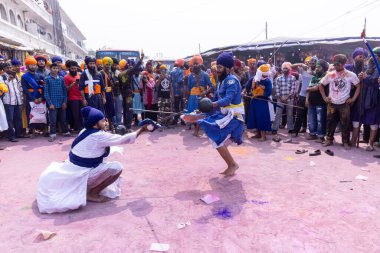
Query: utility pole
column 266, row 30
column 199, row 48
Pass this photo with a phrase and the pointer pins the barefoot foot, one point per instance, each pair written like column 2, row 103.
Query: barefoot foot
column 231, row 170
column 96, row 198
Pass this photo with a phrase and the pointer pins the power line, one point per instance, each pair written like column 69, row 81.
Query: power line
column 354, row 9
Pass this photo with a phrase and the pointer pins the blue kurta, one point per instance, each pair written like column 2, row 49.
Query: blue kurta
column 195, row 86
column 258, row 115
column 228, row 94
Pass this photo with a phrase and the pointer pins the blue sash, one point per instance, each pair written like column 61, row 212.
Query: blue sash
column 86, row 162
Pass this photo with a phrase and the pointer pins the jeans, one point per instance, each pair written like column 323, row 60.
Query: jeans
column 127, row 113
column 317, row 120
column 13, row 113
column 179, row 105
column 289, row 116
column 53, row 121
column 118, row 110
column 75, row 106
column 335, row 114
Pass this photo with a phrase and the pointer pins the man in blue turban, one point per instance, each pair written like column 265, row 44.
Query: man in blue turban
column 228, row 121
column 84, row 175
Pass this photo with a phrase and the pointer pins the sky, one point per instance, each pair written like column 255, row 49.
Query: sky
column 176, row 29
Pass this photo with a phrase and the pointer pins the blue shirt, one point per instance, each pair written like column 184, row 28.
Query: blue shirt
column 177, row 79
column 229, row 92
column 204, row 80
column 27, row 86
column 55, row 91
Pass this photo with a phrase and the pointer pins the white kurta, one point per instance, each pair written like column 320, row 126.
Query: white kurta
column 3, row 118
column 63, row 186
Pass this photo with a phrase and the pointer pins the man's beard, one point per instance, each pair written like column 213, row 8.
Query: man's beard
column 73, row 73
column 359, row 65
column 223, row 75
column 113, row 69
column 197, row 70
column 92, row 70
column 30, row 70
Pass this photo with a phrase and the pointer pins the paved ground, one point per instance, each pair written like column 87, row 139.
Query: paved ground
column 277, row 202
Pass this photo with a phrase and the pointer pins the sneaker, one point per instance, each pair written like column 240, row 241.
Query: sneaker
column 311, row 137
column 51, row 138
column 320, row 140
column 13, row 140
column 68, row 134
column 328, row 143
column 303, row 130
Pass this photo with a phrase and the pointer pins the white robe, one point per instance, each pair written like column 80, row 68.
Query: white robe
column 3, row 118
column 63, row 186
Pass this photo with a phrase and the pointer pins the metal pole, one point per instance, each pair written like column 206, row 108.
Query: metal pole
column 266, row 30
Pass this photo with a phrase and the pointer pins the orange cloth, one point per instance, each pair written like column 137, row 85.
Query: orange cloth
column 30, row 60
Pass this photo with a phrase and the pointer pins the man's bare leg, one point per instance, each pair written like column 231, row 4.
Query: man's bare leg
column 227, row 157
column 93, row 194
column 355, row 136
column 196, row 130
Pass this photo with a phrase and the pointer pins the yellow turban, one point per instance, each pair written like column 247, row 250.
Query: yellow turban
column 3, row 88
column 122, row 63
column 107, row 60
column 307, row 59
column 264, row 69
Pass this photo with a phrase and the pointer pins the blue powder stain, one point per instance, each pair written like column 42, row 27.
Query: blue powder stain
column 259, row 202
column 223, row 213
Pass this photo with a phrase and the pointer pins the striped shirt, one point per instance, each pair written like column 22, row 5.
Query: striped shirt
column 14, row 96
column 55, row 91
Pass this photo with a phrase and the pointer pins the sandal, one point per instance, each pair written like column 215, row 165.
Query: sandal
column 276, row 139
column 329, row 152
column 315, row 153
column 301, row 151
column 369, row 148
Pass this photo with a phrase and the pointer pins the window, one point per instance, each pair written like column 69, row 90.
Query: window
column 20, row 23
column 12, row 17
column 3, row 12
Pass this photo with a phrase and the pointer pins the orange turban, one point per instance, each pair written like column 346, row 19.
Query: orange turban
column 251, row 60
column 30, row 60
column 163, row 66
column 197, row 58
column 82, row 66
column 180, row 62
column 99, row 62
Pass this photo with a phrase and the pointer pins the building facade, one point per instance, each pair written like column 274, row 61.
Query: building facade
column 38, row 26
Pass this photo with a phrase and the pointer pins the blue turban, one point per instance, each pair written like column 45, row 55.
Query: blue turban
column 56, row 58
column 91, row 116
column 226, row 59
column 89, row 59
column 359, row 51
column 260, row 62
column 1, row 57
column 131, row 62
column 15, row 62
column 314, row 58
